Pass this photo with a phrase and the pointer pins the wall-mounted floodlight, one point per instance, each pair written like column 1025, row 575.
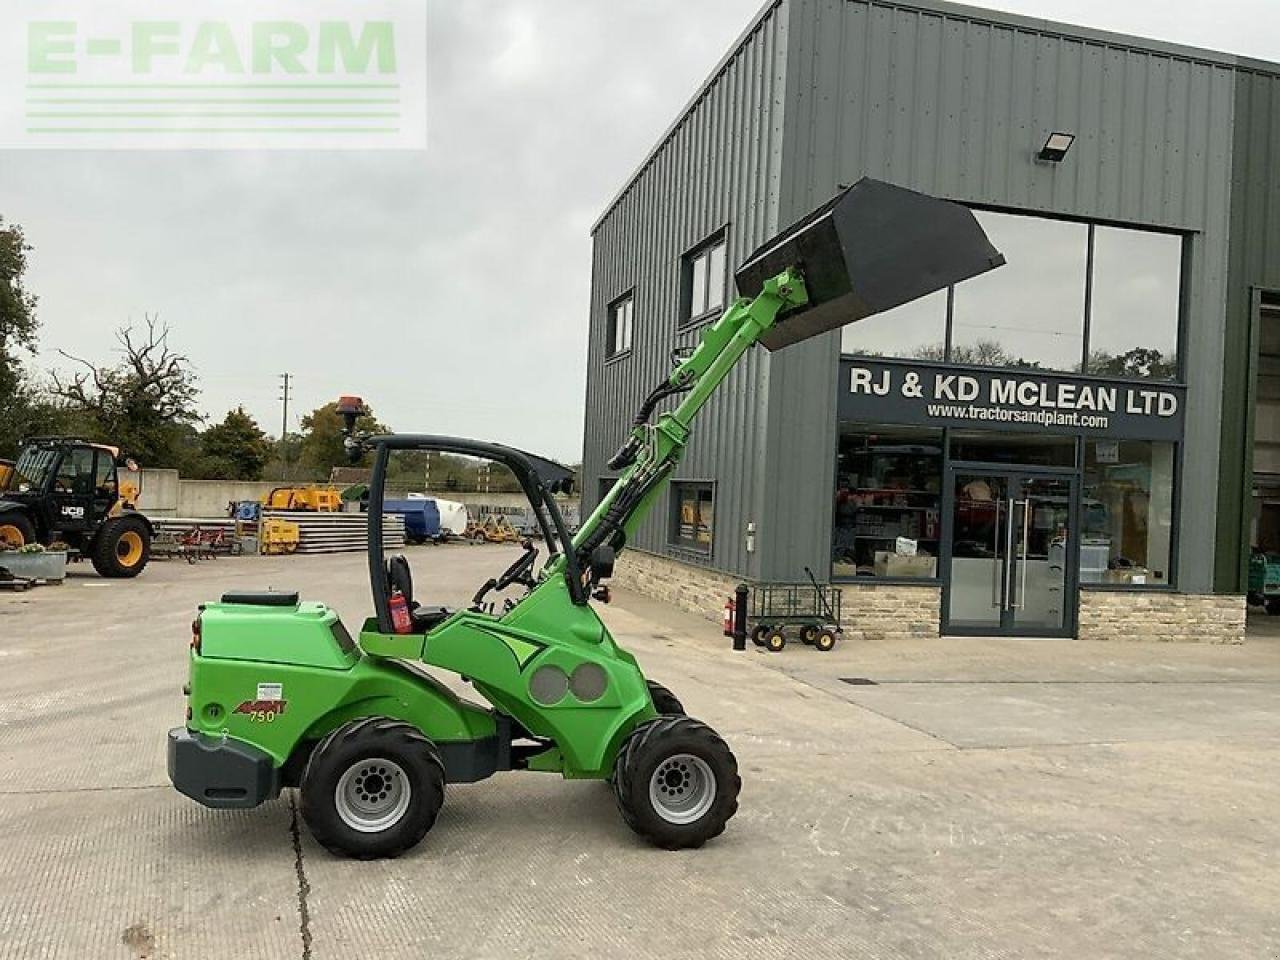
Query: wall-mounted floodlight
column 1055, row 149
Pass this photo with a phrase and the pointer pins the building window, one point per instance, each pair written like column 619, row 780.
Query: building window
column 621, row 325
column 1127, row 510
column 1029, row 314
column 703, row 281
column 913, row 331
column 693, row 516
column 888, row 510
column 1073, row 297
column 1137, row 295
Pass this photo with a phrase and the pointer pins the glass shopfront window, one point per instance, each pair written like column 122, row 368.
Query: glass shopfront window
column 1015, row 449
column 914, row 331
column 1045, row 309
column 1029, row 314
column 888, row 505
column 1137, row 295
column 1127, row 513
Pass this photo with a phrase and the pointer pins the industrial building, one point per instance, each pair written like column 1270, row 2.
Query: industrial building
column 1085, row 442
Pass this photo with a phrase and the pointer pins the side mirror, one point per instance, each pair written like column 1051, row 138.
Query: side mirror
column 602, row 559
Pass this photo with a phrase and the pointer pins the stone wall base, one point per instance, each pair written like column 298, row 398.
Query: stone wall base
column 1161, row 617
column 893, row 612
column 888, row 611
column 692, row 589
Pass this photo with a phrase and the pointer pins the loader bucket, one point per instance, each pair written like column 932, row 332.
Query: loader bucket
column 872, row 248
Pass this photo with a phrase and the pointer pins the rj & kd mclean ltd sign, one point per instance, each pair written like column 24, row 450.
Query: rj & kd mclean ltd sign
column 930, row 395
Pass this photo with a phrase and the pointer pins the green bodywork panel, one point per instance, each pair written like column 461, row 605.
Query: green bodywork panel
column 280, row 677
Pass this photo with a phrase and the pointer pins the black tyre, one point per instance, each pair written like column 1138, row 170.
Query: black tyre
column 372, row 789
column 809, row 633
column 676, row 782
column 758, row 634
column 1253, row 599
column 825, row 641
column 16, row 530
column 1273, row 606
column 775, row 641
column 122, row 548
column 664, row 701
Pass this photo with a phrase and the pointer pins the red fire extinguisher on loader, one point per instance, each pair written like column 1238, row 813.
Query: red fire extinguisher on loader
column 401, row 620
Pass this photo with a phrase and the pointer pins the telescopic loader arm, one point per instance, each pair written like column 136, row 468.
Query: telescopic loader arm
column 872, row 248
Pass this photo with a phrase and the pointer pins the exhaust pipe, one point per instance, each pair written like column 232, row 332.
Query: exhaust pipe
column 874, row 247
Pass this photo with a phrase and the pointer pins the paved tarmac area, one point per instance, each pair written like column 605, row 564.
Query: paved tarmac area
column 962, row 799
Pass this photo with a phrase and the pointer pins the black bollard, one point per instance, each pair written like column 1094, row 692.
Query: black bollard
column 740, row 599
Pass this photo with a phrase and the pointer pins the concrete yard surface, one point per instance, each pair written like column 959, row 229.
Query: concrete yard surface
column 959, row 799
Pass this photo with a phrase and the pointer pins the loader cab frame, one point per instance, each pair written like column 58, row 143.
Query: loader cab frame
column 539, row 479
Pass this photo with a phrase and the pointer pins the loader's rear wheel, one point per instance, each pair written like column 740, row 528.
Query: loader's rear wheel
column 759, row 633
column 825, row 641
column 664, row 701
column 676, row 782
column 16, row 530
column 122, row 548
column 372, row 788
column 775, row 640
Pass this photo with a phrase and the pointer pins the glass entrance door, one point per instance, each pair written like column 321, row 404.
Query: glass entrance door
column 1009, row 553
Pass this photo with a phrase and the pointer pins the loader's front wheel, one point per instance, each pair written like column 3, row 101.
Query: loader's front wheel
column 676, row 782
column 372, row 789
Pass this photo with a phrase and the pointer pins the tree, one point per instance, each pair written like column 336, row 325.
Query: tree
column 18, row 325
column 235, row 449
column 1138, row 362
column 322, row 447
column 144, row 404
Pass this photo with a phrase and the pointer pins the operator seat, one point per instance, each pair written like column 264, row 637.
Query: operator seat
column 400, row 577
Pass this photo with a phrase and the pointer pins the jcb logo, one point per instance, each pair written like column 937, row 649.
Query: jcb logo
column 73, row 513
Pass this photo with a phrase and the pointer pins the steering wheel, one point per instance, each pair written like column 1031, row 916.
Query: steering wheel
column 520, row 571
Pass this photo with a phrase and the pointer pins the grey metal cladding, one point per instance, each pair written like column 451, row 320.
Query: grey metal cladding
column 718, row 169
column 952, row 101
column 955, row 102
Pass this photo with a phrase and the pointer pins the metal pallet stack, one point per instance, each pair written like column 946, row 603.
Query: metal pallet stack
column 339, row 532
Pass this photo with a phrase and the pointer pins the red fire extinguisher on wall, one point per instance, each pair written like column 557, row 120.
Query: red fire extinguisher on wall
column 729, row 606
column 401, row 621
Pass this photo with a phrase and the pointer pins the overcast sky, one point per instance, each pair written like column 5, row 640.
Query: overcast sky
column 450, row 287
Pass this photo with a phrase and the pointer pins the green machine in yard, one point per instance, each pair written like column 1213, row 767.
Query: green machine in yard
column 280, row 695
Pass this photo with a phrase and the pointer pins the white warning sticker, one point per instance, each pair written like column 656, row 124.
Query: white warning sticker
column 270, row 692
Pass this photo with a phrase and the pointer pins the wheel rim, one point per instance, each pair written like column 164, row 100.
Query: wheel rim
column 129, row 549
column 682, row 789
column 12, row 536
column 372, row 795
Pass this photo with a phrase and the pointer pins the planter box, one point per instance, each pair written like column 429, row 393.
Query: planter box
column 35, row 566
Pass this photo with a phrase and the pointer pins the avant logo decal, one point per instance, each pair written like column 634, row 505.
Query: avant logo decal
column 262, row 711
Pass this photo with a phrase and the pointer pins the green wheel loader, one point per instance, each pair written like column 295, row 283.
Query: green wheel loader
column 281, row 694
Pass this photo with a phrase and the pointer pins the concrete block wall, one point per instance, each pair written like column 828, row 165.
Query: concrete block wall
column 1161, row 617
